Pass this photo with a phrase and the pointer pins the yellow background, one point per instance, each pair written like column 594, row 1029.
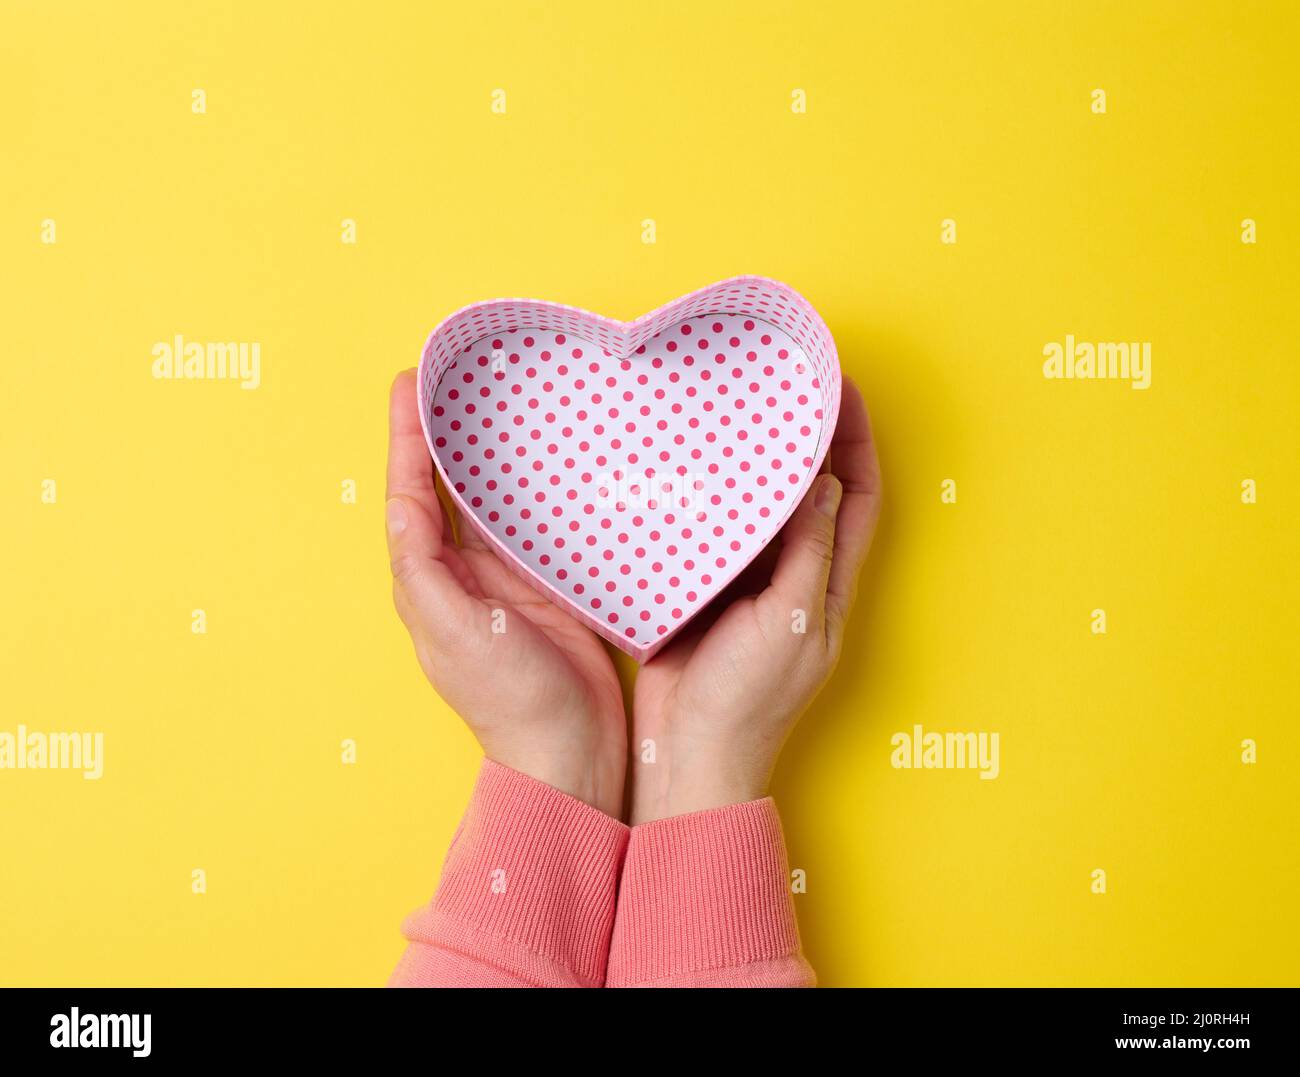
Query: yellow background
column 1119, row 752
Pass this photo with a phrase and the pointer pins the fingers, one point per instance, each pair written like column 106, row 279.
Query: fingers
column 432, row 603
column 807, row 546
column 410, row 470
column 858, row 469
column 827, row 538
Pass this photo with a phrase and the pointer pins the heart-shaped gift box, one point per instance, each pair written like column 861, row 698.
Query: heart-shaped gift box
column 630, row 470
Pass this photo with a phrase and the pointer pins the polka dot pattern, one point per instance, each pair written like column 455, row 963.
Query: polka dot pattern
column 632, row 475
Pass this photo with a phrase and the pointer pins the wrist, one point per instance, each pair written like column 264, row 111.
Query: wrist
column 666, row 787
column 598, row 787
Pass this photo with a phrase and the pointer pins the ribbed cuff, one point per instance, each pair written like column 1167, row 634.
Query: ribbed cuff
column 707, row 892
column 531, row 877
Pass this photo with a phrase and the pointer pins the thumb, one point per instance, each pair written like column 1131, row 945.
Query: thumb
column 430, row 600
column 807, row 546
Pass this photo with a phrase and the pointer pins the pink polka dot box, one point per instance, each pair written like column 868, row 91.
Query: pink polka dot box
column 630, row 470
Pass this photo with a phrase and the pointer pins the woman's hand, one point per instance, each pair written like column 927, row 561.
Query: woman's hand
column 719, row 702
column 536, row 688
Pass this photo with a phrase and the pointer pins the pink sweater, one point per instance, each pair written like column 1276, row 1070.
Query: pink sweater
column 542, row 890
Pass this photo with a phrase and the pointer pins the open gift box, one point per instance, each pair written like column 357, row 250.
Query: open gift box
column 630, row 470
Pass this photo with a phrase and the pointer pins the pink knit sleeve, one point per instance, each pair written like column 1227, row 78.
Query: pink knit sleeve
column 527, row 892
column 705, row 902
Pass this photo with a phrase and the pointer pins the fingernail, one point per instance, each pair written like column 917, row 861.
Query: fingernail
column 395, row 516
column 828, row 495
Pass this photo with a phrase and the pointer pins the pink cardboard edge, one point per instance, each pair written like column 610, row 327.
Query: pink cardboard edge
column 626, row 335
